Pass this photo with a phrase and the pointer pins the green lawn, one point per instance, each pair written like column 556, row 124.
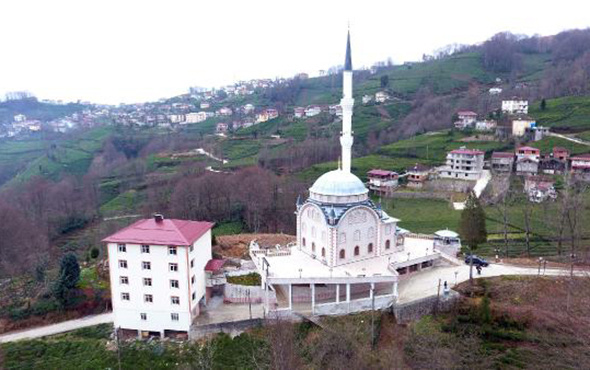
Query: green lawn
column 566, row 113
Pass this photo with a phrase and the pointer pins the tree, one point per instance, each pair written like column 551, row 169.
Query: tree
column 473, row 227
column 69, row 275
column 384, row 81
column 543, row 104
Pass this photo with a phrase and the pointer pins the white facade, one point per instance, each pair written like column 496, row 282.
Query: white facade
column 381, row 97
column 516, row 106
column 313, row 111
column 179, row 277
column 519, row 126
column 463, row 164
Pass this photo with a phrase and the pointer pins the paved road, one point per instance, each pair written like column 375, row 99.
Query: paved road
column 61, row 327
column 425, row 283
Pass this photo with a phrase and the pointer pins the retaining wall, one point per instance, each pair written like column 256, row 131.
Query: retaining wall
column 414, row 310
column 234, row 293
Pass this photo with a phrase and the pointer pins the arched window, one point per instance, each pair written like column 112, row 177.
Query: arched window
column 387, row 244
column 370, row 248
column 357, row 250
column 313, row 247
column 342, row 254
column 323, row 252
column 342, row 238
column 303, row 242
column 357, row 235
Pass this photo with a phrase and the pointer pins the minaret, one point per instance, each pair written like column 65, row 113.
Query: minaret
column 347, row 102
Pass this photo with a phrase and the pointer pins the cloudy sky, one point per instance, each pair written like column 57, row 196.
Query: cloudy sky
column 113, row 51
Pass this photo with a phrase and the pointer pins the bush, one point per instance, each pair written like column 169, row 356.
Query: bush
column 94, row 252
column 252, row 279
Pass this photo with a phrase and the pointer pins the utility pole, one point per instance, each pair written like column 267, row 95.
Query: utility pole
column 437, row 296
column 249, row 303
column 372, row 317
column 118, row 347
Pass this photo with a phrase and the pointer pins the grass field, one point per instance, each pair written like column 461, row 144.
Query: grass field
column 566, row 113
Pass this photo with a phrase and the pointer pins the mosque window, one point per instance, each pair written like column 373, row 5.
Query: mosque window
column 387, row 244
column 342, row 238
column 357, row 250
column 303, row 242
column 357, row 235
column 370, row 248
column 342, row 254
column 388, row 229
column 313, row 247
column 303, row 227
column 323, row 252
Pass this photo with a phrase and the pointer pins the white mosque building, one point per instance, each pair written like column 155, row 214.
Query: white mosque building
column 349, row 254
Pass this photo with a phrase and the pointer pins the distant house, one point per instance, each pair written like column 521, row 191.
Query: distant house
column 538, row 132
column 515, row 106
column 521, row 125
column 262, row 117
column 463, row 164
column 417, row 175
column 581, row 166
column 466, row 119
column 221, row 128
column 299, row 112
column 382, row 182
column 302, row 76
column 336, row 110
column 272, row 113
column 527, row 160
column 20, row 118
column 195, row 117
column 225, row 111
column 502, row 161
column 381, row 97
column 495, row 91
column 561, row 153
column 367, row 99
column 176, row 118
column 313, row 110
column 551, row 165
column 248, row 108
column 539, row 188
column 486, row 125
column 205, row 105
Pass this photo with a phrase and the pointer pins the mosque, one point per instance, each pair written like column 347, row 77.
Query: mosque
column 349, row 253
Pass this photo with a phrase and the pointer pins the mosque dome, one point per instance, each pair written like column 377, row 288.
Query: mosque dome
column 338, row 186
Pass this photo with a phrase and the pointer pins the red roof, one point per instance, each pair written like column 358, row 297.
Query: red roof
column 165, row 232
column 502, row 155
column 529, row 148
column 381, row 173
column 581, row 157
column 560, row 149
column 214, row 265
column 467, row 151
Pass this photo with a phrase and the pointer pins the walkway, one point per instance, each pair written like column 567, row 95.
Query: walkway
column 425, row 283
column 58, row 328
column 569, row 138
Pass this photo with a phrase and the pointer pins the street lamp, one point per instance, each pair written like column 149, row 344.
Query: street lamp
column 456, row 273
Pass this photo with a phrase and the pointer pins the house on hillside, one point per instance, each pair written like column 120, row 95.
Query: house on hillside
column 225, row 111
column 221, row 128
column 367, row 99
column 335, row 110
column 417, row 176
column 515, row 106
column 551, row 165
column 466, row 118
column 157, row 275
column 502, row 161
column 381, row 97
column 527, row 160
column 581, row 166
column 463, row 164
column 495, row 91
column 561, row 153
column 299, row 112
column 313, row 110
column 382, row 182
column 248, row 108
column 521, row 125
column 539, row 188
column 486, row 125
column 205, row 105
column 272, row 113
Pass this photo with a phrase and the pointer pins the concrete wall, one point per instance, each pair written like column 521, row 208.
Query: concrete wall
column 359, row 305
column 420, row 195
column 234, row 293
column 233, row 328
column 414, row 310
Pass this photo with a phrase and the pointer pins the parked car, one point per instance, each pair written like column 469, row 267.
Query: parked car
column 477, row 261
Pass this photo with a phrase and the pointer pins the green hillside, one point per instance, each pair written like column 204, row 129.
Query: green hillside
column 569, row 113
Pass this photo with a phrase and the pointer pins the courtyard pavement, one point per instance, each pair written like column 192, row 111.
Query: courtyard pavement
column 217, row 312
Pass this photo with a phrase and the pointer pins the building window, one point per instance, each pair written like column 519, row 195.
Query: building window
column 175, row 300
column 123, row 264
column 303, row 242
column 387, row 244
column 145, row 249
column 143, row 316
column 174, row 316
column 122, row 248
column 192, row 247
column 313, row 247
column 148, row 298
column 194, row 296
column 357, row 250
column 192, row 263
column 123, row 280
column 193, row 279
column 370, row 248
column 342, row 254
column 147, row 281
column 172, row 251
column 125, row 296
column 174, row 284
column 173, row 266
column 323, row 252
column 145, row 265
column 342, row 238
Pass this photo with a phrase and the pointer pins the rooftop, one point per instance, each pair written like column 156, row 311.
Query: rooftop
column 502, row 155
column 379, row 172
column 467, row 151
column 163, row 232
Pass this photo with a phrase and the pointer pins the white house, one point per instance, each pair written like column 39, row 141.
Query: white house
column 467, row 118
column 463, row 164
column 313, row 110
column 195, row 117
column 367, row 99
column 157, row 270
column 486, row 125
column 495, row 91
column 20, row 118
column 521, row 125
column 515, row 106
column 205, row 105
column 381, row 97
column 299, row 112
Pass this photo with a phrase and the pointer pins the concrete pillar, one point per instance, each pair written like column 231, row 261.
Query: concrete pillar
column 139, row 334
column 162, row 334
column 265, row 308
column 312, row 298
column 290, row 296
column 372, row 291
column 337, row 293
column 348, row 292
column 395, row 289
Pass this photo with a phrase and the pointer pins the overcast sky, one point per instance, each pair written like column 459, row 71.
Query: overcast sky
column 113, row 51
